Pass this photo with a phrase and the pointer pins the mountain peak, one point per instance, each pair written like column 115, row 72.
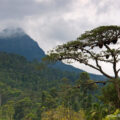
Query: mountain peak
column 12, row 32
column 15, row 40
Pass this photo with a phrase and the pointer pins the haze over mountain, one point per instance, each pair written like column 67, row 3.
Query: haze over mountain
column 18, row 42
column 15, row 40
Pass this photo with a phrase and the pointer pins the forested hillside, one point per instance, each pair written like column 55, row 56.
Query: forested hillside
column 28, row 90
column 32, row 89
column 17, row 72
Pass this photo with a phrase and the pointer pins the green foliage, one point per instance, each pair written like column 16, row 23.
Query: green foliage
column 26, row 88
column 16, row 72
column 32, row 90
column 22, row 108
column 114, row 116
column 30, row 116
column 48, row 101
column 109, row 96
column 83, row 50
column 97, row 111
column 77, row 49
column 7, row 111
column 62, row 113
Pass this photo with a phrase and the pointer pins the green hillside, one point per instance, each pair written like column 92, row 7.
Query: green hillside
column 34, row 90
column 27, row 89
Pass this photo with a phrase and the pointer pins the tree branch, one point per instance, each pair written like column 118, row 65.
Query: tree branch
column 118, row 70
column 115, row 61
column 83, row 61
column 99, row 67
column 102, row 70
column 102, row 82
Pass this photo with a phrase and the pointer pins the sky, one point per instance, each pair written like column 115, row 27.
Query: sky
column 54, row 22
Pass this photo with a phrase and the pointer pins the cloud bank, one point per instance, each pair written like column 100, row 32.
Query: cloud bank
column 53, row 22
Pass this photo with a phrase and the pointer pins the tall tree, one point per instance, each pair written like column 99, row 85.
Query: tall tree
column 98, row 45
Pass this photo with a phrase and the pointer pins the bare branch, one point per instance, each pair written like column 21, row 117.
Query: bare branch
column 118, row 70
column 100, row 68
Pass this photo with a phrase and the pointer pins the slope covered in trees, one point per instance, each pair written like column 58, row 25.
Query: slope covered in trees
column 34, row 91
column 16, row 71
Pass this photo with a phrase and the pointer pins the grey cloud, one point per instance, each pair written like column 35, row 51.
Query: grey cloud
column 17, row 9
column 54, row 27
column 105, row 6
column 51, row 22
column 68, row 30
column 56, row 30
column 102, row 9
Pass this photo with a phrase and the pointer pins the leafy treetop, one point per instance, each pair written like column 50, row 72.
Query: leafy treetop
column 92, row 45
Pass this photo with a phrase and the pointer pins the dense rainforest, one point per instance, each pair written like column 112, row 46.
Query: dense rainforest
column 34, row 90
column 30, row 90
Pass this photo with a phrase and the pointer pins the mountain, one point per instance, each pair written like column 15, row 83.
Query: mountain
column 18, row 42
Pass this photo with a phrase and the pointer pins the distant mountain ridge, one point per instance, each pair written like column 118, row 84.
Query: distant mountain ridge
column 18, row 42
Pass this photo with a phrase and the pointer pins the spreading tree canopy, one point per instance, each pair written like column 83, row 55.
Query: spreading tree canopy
column 99, row 45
